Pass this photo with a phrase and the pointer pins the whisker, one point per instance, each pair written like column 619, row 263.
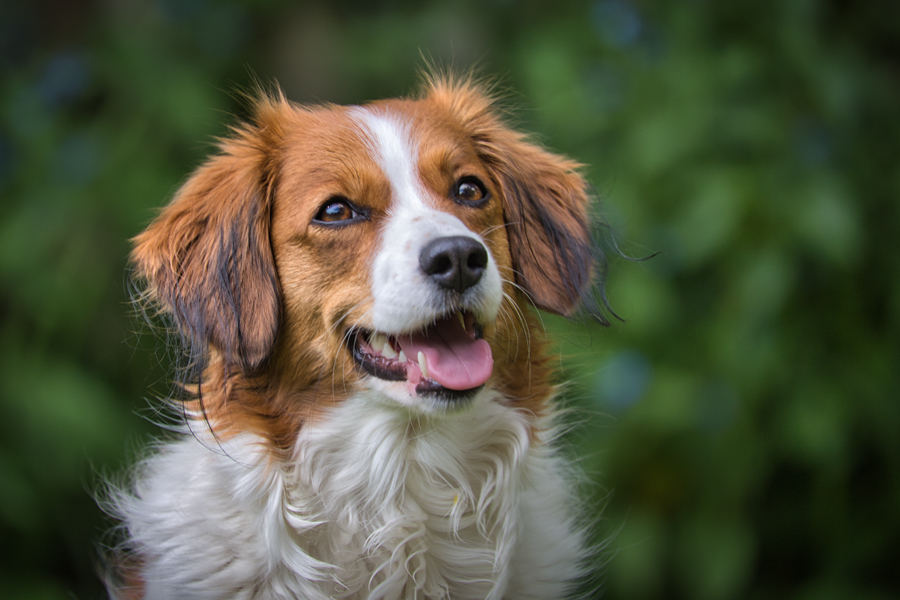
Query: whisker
column 493, row 228
column 528, row 297
column 524, row 329
column 345, row 342
column 508, row 319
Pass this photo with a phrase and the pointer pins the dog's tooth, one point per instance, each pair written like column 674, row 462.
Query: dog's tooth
column 377, row 341
column 388, row 351
column 462, row 319
column 402, row 356
column 423, row 365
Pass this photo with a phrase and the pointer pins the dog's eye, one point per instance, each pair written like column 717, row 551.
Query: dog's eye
column 470, row 190
column 338, row 211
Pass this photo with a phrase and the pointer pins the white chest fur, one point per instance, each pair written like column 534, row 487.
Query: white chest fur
column 375, row 504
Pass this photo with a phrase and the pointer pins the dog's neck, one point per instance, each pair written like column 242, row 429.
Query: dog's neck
column 379, row 495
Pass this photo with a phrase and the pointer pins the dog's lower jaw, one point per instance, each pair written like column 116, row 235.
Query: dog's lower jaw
column 372, row 504
column 420, row 400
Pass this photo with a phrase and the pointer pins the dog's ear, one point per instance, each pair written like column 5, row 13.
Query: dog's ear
column 545, row 206
column 207, row 258
column 545, row 202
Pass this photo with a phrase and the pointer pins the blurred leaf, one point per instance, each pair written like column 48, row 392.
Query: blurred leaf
column 714, row 557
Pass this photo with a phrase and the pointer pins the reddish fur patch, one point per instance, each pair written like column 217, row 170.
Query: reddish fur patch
column 127, row 581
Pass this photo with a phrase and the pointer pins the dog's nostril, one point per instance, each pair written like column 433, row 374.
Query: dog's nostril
column 455, row 263
column 442, row 265
column 478, row 260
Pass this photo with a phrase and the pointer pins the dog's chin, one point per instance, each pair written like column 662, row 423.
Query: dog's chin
column 432, row 390
column 420, row 400
column 436, row 401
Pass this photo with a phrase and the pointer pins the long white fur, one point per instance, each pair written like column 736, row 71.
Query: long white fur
column 376, row 503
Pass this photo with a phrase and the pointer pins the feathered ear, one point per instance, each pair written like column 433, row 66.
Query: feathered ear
column 207, row 258
column 545, row 202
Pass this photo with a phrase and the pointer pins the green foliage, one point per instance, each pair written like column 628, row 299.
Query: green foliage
column 744, row 419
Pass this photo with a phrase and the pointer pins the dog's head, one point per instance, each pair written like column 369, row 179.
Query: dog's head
column 392, row 247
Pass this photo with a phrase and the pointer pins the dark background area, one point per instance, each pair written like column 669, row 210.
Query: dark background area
column 741, row 427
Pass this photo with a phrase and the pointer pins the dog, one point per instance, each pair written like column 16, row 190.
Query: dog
column 371, row 411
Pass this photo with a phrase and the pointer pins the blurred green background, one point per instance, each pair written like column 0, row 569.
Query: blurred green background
column 742, row 426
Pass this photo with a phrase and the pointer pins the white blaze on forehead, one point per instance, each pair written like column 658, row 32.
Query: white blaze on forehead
column 392, row 147
column 405, row 299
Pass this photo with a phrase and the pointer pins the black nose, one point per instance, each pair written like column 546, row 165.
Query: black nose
column 455, row 263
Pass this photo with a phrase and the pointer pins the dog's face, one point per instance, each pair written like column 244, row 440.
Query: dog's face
column 392, row 247
column 391, row 232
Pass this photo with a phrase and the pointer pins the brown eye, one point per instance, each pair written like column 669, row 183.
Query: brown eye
column 470, row 190
column 338, row 211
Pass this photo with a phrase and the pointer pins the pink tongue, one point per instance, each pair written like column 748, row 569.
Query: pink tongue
column 455, row 360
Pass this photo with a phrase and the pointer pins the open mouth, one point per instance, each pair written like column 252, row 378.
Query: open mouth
column 448, row 359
